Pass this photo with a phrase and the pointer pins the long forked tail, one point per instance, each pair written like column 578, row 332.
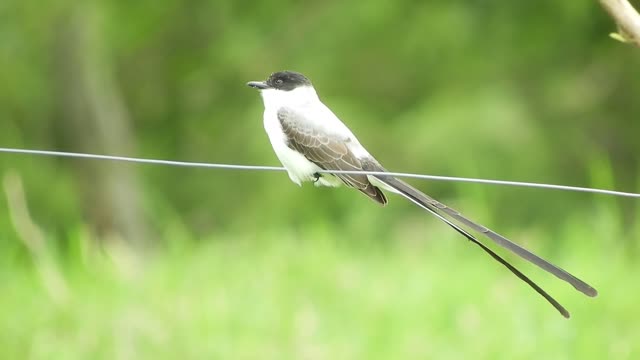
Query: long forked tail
column 449, row 216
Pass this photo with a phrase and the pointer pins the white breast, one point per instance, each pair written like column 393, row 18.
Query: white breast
column 299, row 168
column 304, row 100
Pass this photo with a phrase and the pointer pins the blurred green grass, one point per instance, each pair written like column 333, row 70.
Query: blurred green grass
column 315, row 295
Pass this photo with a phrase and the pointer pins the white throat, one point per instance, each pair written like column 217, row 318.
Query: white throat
column 300, row 96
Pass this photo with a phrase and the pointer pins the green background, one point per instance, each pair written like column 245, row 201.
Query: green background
column 106, row 260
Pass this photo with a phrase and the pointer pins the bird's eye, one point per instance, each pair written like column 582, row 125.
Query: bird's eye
column 279, row 82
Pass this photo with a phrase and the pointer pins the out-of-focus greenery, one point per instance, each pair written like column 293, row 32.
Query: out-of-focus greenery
column 248, row 265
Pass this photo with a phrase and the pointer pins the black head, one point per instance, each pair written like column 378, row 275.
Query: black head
column 282, row 80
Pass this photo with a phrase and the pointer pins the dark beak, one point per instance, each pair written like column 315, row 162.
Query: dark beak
column 261, row 85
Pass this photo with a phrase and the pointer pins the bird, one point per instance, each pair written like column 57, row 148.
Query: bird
column 308, row 138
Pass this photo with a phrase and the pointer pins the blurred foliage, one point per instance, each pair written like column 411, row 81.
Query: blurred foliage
column 529, row 91
column 523, row 91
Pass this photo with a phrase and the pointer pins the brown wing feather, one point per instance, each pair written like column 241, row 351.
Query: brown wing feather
column 329, row 153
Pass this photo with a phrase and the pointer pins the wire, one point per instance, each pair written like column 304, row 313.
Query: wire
column 276, row 168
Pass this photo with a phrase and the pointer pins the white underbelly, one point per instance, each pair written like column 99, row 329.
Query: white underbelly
column 299, row 168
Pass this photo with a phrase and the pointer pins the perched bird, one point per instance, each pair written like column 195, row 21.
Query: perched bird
column 308, row 137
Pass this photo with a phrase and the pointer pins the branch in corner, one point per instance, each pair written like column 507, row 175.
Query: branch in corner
column 627, row 19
